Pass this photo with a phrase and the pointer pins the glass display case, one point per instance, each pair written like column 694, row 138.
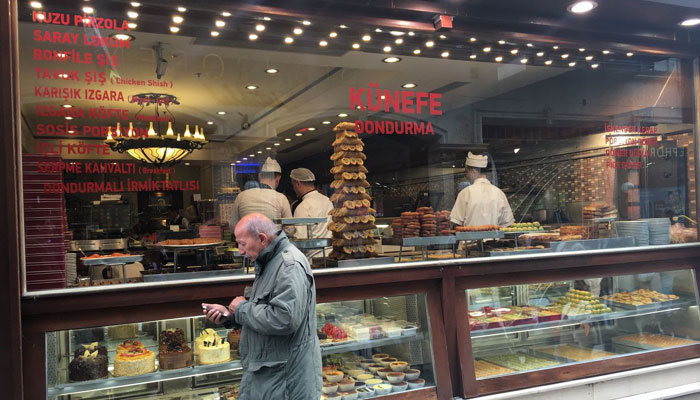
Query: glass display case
column 525, row 328
column 369, row 347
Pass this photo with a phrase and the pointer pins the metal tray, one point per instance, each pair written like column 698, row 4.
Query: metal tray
column 479, row 235
column 361, row 262
column 555, row 357
column 299, row 221
column 189, row 246
column 111, row 260
column 646, row 307
column 619, row 341
column 428, row 241
column 303, row 244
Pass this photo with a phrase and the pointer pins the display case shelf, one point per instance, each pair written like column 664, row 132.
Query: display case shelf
column 615, row 315
column 155, row 377
column 369, row 344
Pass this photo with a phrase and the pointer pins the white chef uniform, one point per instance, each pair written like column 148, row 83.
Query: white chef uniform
column 314, row 205
column 481, row 203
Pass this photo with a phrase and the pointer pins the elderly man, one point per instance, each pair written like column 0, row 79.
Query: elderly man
column 280, row 352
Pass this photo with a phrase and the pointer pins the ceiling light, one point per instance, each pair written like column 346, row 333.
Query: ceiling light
column 565, row 56
column 443, row 37
column 71, row 131
column 333, row 34
column 122, row 36
column 66, row 105
column 594, row 65
column 523, row 61
column 378, row 30
column 606, row 51
column 323, row 43
column 555, row 47
column 514, row 51
column 690, row 22
column 253, row 36
column 220, row 23
column 366, row 38
column 397, row 33
column 445, row 54
column 132, row 25
column 581, row 49
column 487, row 49
column 630, row 54
column 387, row 49
column 245, row 158
column 177, row 19
column 90, row 10
column 582, row 7
column 572, row 64
column 272, row 70
column 298, row 134
column 548, row 62
column 42, row 16
column 473, row 56
column 589, row 58
column 251, row 87
column 540, row 54
column 516, row 150
column 501, row 42
column 267, row 19
column 259, row 27
column 214, row 33
column 305, row 22
column 187, row 163
column 268, row 148
column 259, row 151
column 326, row 122
column 276, row 144
column 391, row 60
column 132, row 14
column 225, row 14
column 210, row 122
column 355, row 45
column 289, row 40
column 238, row 161
column 298, row 31
column 472, row 39
column 35, row 4
column 358, row 107
column 288, row 139
column 398, row 41
column 409, row 85
column 311, row 128
column 342, row 115
column 498, row 59
column 252, row 155
column 411, row 33
column 416, row 51
column 343, row 26
column 429, row 43
column 174, row 29
column 221, row 112
column 530, row 45
column 69, row 118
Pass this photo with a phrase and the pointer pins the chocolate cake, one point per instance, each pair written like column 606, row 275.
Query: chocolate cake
column 89, row 362
column 173, row 352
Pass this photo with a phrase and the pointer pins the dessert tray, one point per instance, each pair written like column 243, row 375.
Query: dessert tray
column 111, row 260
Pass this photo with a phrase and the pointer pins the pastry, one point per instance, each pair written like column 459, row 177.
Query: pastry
column 173, row 352
column 89, row 362
column 520, row 361
column 134, row 360
column 483, row 369
column 211, row 348
column 575, row 353
column 656, row 340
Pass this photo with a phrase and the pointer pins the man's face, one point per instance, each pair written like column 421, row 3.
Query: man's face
column 248, row 245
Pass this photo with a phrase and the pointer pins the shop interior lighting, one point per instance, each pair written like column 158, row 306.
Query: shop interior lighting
column 366, row 38
column 548, row 62
column 219, row 23
column 410, row 33
column 429, row 43
column 378, row 30
column 445, row 54
column 245, row 158
column 398, row 41
column 472, row 39
column 516, row 150
column 498, row 59
column 565, row 56
column 71, row 131
column 582, row 7
column 221, row 112
column 40, row 17
column 259, row 27
column 606, row 51
column 343, row 115
column 540, row 54
column 323, row 43
column 288, row 139
column 276, row 144
column 187, row 164
column 132, row 25
column 90, row 10
column 581, row 49
column 343, row 26
column 594, row 66
column 311, row 128
column 443, row 37
column 391, row 60
column 397, row 33
column 35, row 4
column 288, row 40
column 135, row 4
column 68, row 118
column 174, row 29
column 67, row 105
column 267, row 19
column 268, row 148
column 215, row 33
column 630, row 54
column 251, row 87
column 514, row 51
column 326, row 122
column 333, row 35
column 501, row 42
column 252, row 36
column 122, row 36
column 298, row 31
column 182, row 9
column 473, row 56
column 132, row 14
column 178, row 19
column 210, row 122
column 272, row 70
column 387, row 49
column 259, row 151
column 555, row 47
column 355, row 46
column 523, row 60
column 530, row 45
column 252, row 155
column 306, row 22
column 572, row 64
column 298, row 134
column 416, row 51
column 487, row 49
column 409, row 85
column 225, row 14
column 690, row 22
column 589, row 58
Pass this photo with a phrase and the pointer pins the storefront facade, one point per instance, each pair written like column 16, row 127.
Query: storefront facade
column 134, row 130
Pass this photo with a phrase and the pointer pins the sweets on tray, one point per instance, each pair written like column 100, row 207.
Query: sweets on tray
column 483, row 369
column 575, row 353
column 477, row 228
column 188, row 242
column 653, row 339
column 640, row 297
column 577, row 302
column 599, row 210
column 424, row 222
column 523, row 226
column 489, row 317
column 93, row 256
column 520, row 361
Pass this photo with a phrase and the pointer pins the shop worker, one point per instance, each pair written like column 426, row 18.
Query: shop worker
column 311, row 204
column 480, row 203
column 280, row 352
column 265, row 199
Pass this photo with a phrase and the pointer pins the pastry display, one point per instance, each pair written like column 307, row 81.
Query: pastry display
column 520, row 361
column 477, row 228
column 640, row 297
column 229, row 392
column 210, row 348
column 483, row 369
column 332, row 333
column 337, row 370
column 577, row 302
column 575, row 230
column 599, row 210
column 428, row 222
column 353, row 222
column 94, row 256
column 173, row 352
column 89, row 362
column 575, row 353
column 188, row 242
column 519, row 248
column 655, row 340
column 523, row 227
column 125, row 331
column 489, row 318
column 133, row 360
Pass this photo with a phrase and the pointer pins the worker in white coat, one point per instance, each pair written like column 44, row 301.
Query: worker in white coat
column 312, row 204
column 265, row 199
column 481, row 203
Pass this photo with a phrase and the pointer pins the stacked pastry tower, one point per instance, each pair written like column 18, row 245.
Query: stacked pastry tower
column 353, row 218
column 411, row 224
column 428, row 224
column 443, row 221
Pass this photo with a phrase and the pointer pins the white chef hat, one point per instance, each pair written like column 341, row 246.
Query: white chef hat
column 271, row 166
column 302, row 175
column 476, row 160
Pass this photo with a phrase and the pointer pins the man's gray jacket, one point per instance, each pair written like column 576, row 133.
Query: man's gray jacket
column 279, row 349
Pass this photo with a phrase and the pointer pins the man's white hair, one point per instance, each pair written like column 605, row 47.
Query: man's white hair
column 256, row 224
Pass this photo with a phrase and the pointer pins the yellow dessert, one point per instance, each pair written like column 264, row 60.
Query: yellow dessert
column 136, row 360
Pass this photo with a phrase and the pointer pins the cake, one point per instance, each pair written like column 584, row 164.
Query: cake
column 90, row 363
column 133, row 360
column 128, row 345
column 576, row 353
column 656, row 340
column 173, row 352
column 123, row 331
column 212, row 349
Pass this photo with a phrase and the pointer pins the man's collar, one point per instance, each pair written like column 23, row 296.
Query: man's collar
column 481, row 180
column 269, row 251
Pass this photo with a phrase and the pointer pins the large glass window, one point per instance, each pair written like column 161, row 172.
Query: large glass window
column 574, row 148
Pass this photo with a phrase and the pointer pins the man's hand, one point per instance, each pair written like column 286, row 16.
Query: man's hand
column 234, row 303
column 215, row 313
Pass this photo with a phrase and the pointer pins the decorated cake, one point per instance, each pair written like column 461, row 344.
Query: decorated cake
column 133, row 359
column 173, row 352
column 89, row 362
column 211, row 348
column 353, row 219
column 123, row 331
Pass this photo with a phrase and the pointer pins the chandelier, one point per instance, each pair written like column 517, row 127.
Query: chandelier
column 156, row 148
